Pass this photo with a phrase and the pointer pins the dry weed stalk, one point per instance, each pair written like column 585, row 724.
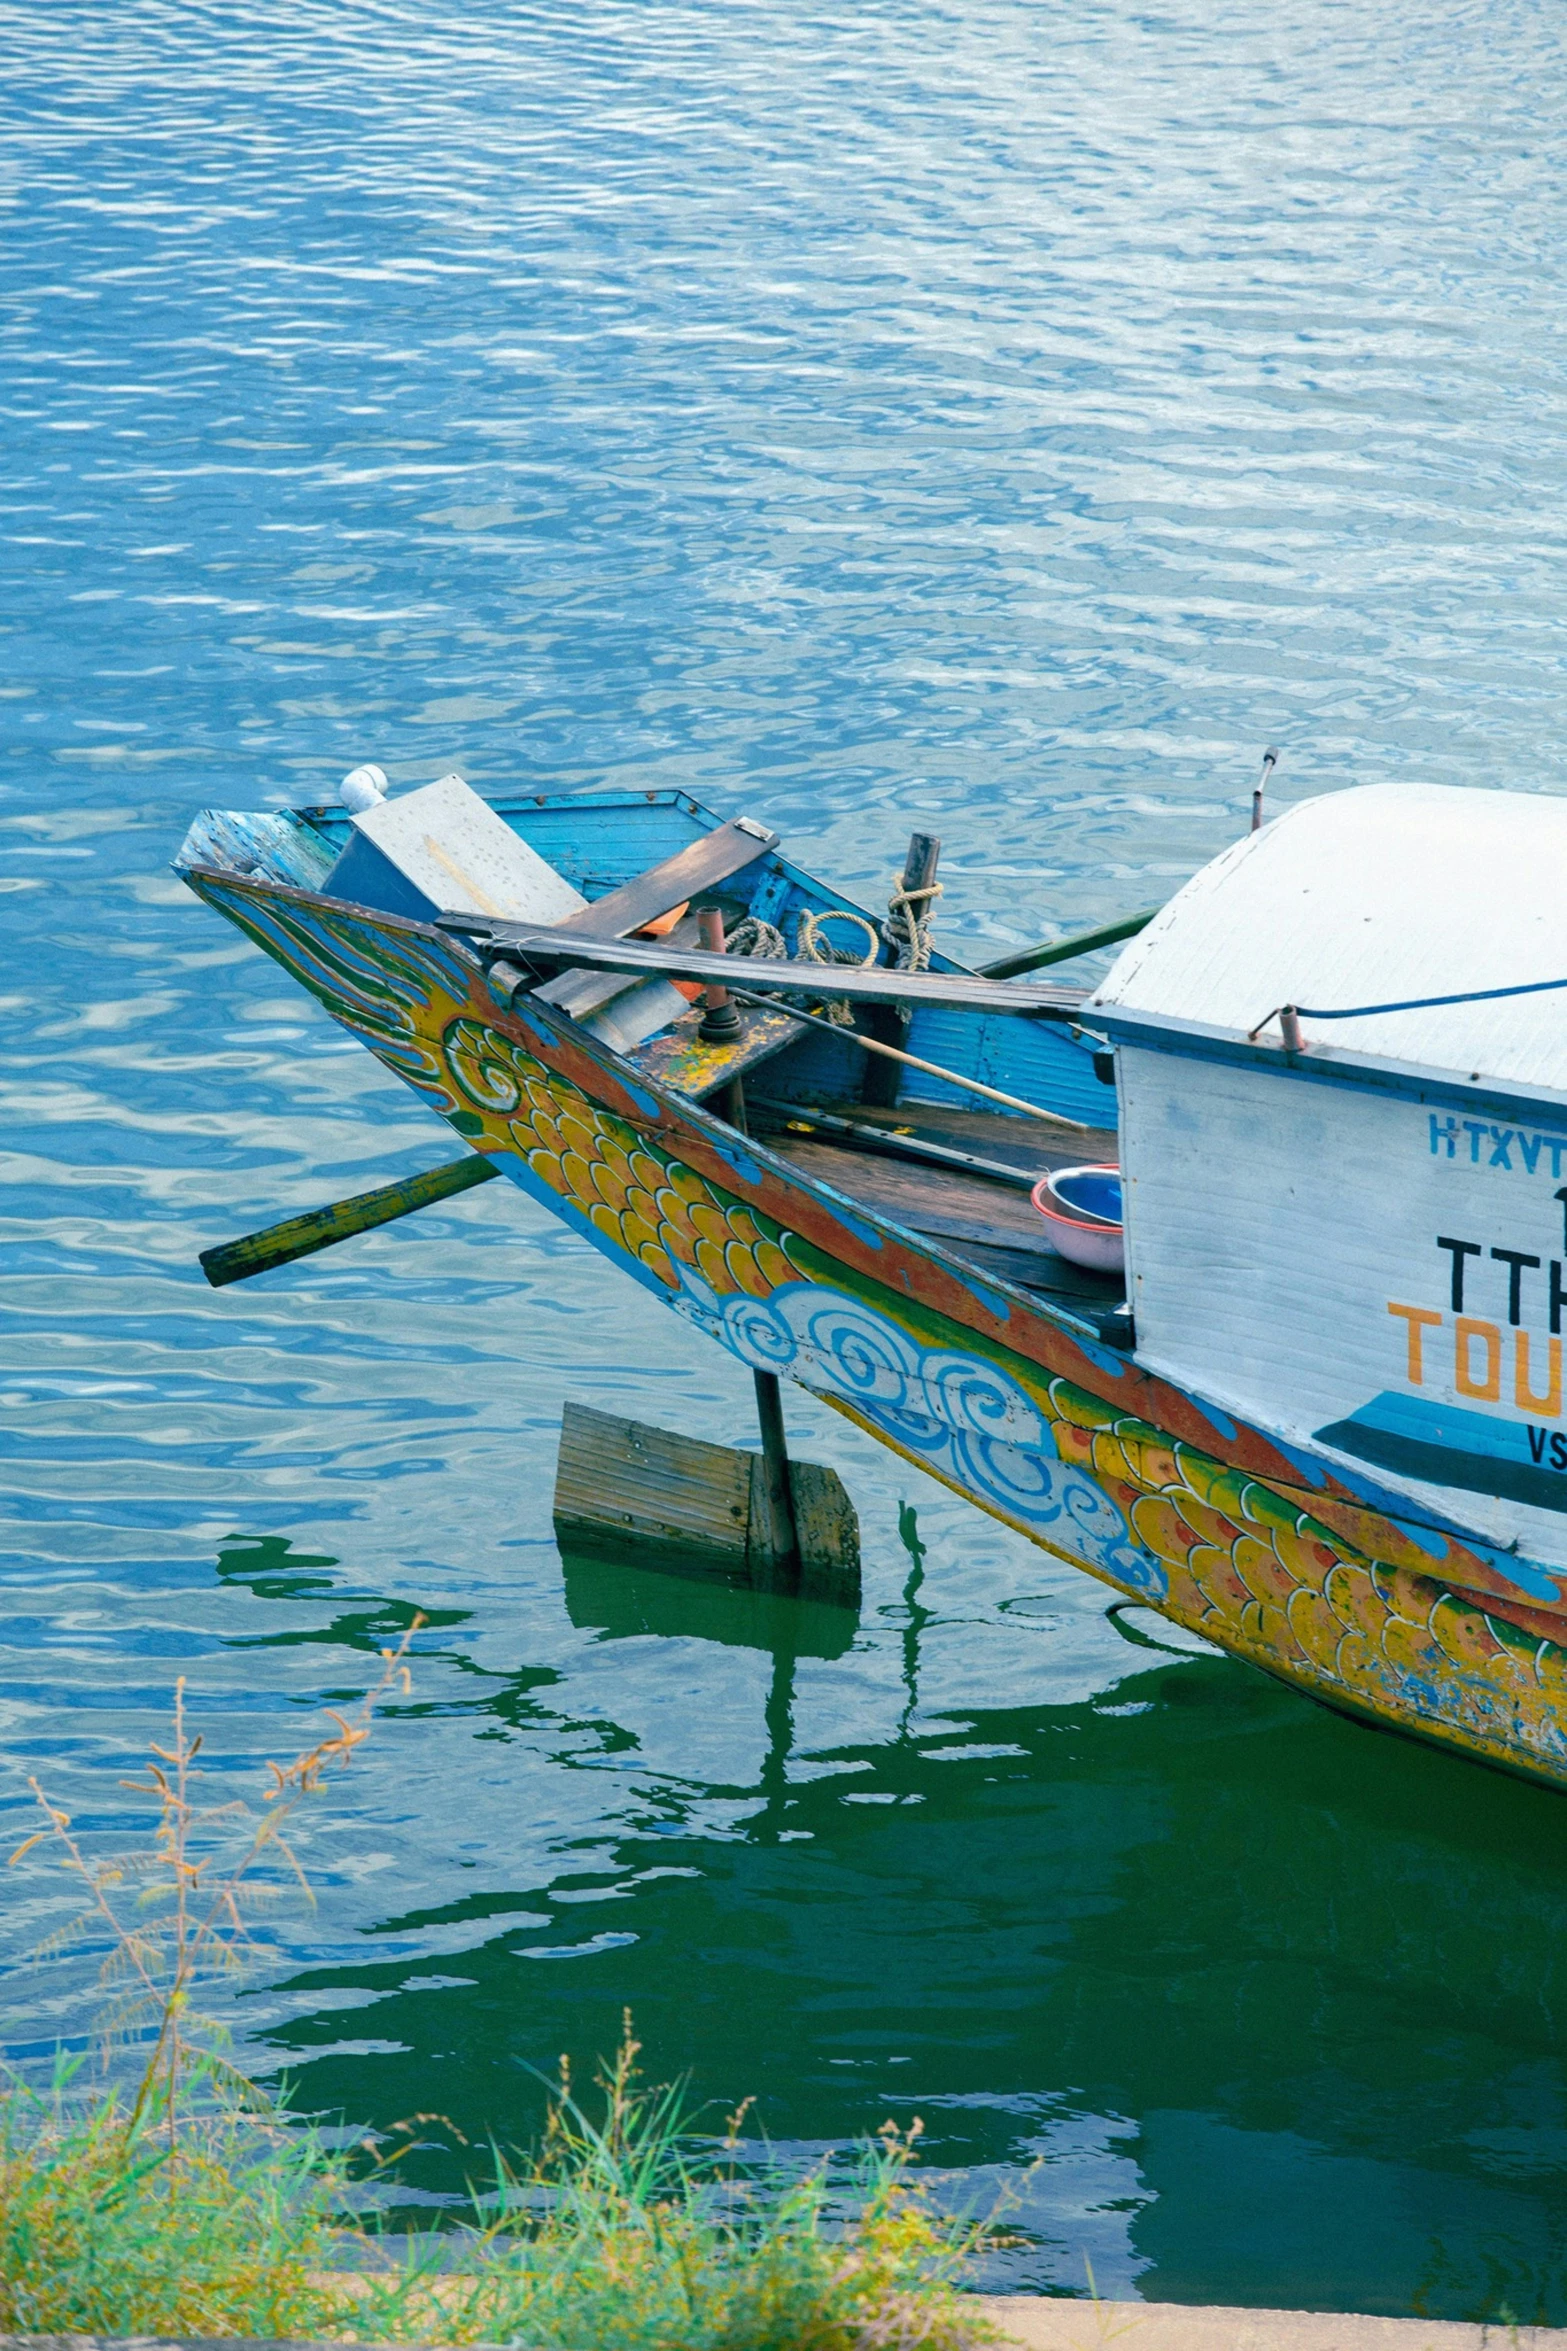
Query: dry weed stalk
column 174, row 1914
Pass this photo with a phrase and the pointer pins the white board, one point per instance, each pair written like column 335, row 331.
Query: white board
column 444, row 850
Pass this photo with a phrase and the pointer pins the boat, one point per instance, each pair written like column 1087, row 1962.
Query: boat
column 1316, row 1419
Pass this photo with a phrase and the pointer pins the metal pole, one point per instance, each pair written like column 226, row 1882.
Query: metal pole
column 782, row 1538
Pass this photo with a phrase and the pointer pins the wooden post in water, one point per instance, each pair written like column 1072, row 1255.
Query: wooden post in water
column 890, row 1024
column 778, row 1535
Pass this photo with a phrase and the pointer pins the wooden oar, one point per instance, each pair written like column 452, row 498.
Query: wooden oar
column 320, row 1228
column 1010, row 967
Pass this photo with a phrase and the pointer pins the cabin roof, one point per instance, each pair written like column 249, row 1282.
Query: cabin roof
column 1372, row 896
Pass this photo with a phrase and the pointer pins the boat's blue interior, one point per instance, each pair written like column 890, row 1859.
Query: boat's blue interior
column 599, row 841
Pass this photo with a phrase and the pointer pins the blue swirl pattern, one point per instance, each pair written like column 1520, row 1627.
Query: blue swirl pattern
column 964, row 1419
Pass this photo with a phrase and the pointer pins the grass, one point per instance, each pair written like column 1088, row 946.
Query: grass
column 628, row 2231
column 189, row 2205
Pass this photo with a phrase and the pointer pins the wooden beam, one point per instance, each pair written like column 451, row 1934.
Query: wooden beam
column 958, row 991
column 323, row 1228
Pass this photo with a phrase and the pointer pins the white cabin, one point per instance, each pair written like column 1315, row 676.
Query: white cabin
column 1362, row 1247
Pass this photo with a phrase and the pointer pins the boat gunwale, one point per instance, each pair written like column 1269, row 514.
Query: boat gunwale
column 1335, row 1065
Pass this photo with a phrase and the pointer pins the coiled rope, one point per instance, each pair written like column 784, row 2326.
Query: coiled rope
column 766, row 942
column 755, row 937
column 907, row 927
column 812, row 946
column 905, row 934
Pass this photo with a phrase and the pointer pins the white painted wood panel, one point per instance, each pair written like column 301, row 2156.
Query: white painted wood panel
column 1317, row 1259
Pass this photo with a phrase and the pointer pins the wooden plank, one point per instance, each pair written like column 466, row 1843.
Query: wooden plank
column 926, row 1200
column 623, row 1484
column 582, row 993
column 960, row 991
column 827, row 1530
column 700, row 866
column 322, row 1228
column 1077, row 1287
column 678, row 1057
column 634, row 1484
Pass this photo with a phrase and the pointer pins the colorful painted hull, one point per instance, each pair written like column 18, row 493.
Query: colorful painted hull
column 1214, row 1524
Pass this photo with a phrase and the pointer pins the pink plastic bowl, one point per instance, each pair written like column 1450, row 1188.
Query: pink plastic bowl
column 1085, row 1239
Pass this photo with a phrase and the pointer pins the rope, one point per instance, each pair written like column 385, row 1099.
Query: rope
column 1409, row 1004
column 758, row 938
column 907, row 931
column 811, row 946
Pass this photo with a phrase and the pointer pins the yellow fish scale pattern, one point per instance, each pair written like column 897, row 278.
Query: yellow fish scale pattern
column 1254, row 1572
column 656, row 1209
column 1246, row 1566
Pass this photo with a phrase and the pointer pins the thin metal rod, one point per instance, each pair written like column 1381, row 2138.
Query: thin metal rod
column 783, row 1539
column 933, row 1069
column 803, row 1119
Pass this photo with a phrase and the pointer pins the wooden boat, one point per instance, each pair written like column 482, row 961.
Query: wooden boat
column 1318, row 1423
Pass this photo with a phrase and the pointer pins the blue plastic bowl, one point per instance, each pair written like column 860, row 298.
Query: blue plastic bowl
column 1081, row 1207
column 1092, row 1191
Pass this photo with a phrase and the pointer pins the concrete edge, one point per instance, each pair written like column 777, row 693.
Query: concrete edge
column 1044, row 2323
column 1037, row 2322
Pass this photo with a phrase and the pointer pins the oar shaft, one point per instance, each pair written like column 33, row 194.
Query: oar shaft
column 320, row 1228
column 1011, row 967
column 933, row 1069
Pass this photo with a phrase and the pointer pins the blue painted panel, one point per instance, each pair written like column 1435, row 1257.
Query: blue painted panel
column 597, row 845
column 365, row 877
column 274, row 846
column 1033, row 1059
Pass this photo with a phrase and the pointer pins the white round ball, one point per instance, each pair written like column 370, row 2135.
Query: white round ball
column 364, row 788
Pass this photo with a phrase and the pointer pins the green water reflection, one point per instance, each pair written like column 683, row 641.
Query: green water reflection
column 1278, row 1999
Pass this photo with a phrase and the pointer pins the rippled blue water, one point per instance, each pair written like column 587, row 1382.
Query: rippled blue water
column 1001, row 418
